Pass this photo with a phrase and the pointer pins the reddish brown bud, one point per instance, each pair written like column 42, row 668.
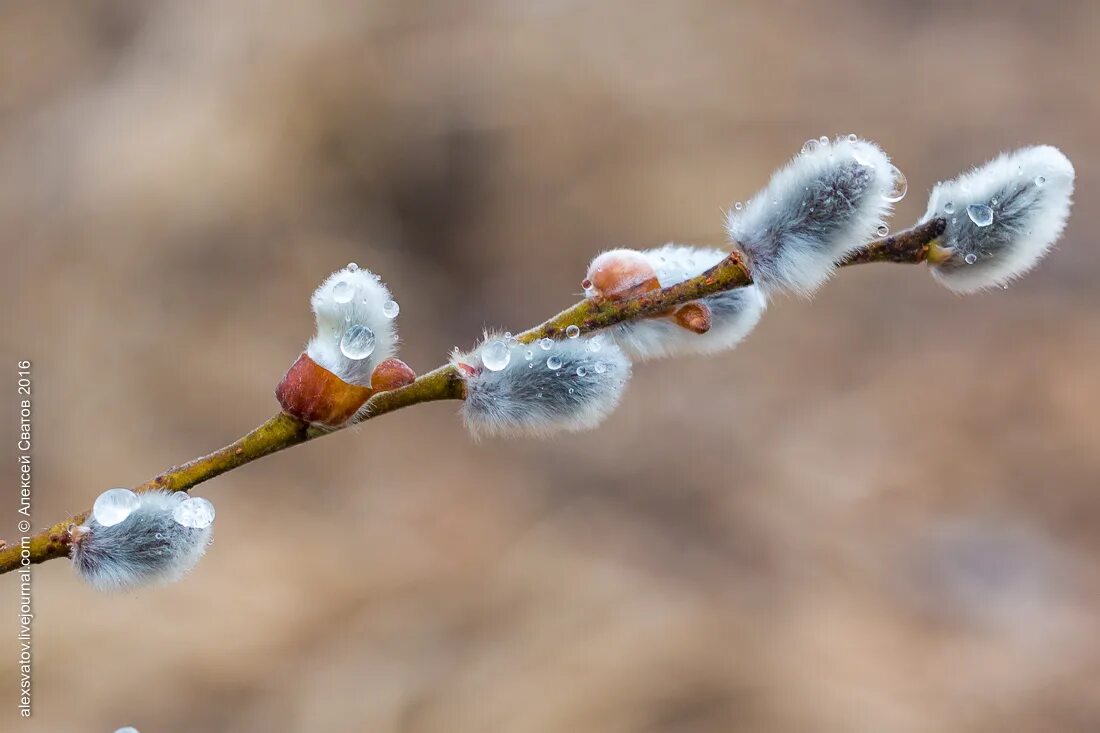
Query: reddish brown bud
column 314, row 394
column 391, row 374
column 695, row 317
column 622, row 273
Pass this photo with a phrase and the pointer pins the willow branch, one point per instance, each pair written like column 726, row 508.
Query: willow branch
column 910, row 246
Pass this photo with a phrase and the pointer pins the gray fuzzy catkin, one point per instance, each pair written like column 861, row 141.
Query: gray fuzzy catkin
column 734, row 313
column 527, row 397
column 149, row 547
column 1029, row 194
column 824, row 204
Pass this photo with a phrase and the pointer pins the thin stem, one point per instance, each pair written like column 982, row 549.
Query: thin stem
column 443, row 383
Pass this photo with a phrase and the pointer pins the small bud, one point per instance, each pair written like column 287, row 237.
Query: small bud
column 391, row 374
column 619, row 274
column 150, row 538
column 715, row 323
column 524, row 389
column 355, row 334
column 824, row 204
column 1001, row 218
column 694, row 316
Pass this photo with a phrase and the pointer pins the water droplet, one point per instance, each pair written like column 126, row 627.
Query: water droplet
column 980, row 214
column 1040, row 180
column 546, row 344
column 128, row 729
column 196, row 513
column 571, row 390
column 357, row 342
column 159, row 536
column 809, row 146
column 581, row 371
column 949, row 207
column 113, row 506
column 954, row 220
column 496, row 355
column 343, row 292
column 600, row 367
column 573, row 331
column 971, row 258
column 554, row 362
column 852, row 137
column 737, row 206
column 899, row 186
column 390, row 309
column 824, row 139
column 883, row 230
column 529, row 354
column 993, row 202
column 352, row 266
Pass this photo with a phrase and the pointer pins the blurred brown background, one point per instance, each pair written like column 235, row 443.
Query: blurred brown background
column 880, row 513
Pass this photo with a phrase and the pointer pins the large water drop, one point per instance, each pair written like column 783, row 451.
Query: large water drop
column 196, row 513
column 113, row 506
column 898, row 187
column 357, row 342
column 980, row 214
column 496, row 355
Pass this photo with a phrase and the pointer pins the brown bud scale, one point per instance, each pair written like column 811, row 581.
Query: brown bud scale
column 312, row 393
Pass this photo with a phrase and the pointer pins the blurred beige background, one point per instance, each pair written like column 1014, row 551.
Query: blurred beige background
column 879, row 514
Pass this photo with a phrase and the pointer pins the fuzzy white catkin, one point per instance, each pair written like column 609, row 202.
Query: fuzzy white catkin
column 734, row 313
column 148, row 547
column 825, row 203
column 351, row 297
column 573, row 385
column 1028, row 194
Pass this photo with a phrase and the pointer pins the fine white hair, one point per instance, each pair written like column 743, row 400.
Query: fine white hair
column 734, row 313
column 827, row 202
column 148, row 547
column 544, row 387
column 351, row 297
column 1001, row 217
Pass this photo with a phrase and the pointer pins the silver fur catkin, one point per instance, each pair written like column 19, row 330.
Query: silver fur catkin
column 734, row 313
column 1027, row 192
column 335, row 315
column 531, row 397
column 824, row 204
column 149, row 547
